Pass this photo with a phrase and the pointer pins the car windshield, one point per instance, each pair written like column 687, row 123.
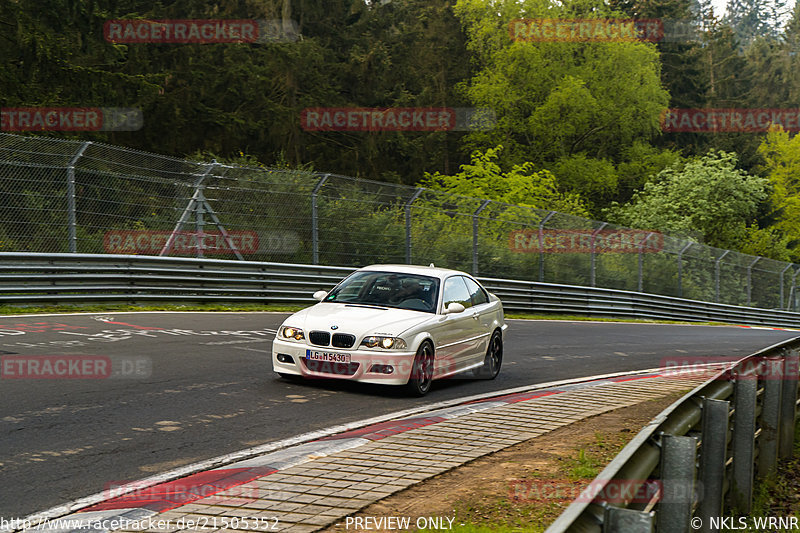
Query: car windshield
column 387, row 289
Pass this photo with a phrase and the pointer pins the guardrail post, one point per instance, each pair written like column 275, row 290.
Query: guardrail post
column 744, row 429
column 593, row 269
column 750, row 279
column 716, row 275
column 408, row 223
column 541, row 243
column 314, row 222
column 788, row 405
column 678, row 458
column 772, row 370
column 680, row 268
column 713, row 447
column 619, row 520
column 72, row 219
column 475, row 236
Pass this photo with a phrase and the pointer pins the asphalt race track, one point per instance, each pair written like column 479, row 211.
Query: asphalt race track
column 181, row 388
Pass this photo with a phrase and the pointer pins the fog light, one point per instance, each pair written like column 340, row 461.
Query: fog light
column 284, row 358
column 382, row 369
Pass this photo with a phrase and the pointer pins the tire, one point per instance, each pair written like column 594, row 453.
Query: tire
column 493, row 360
column 422, row 371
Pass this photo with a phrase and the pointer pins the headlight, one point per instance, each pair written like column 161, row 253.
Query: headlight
column 292, row 333
column 386, row 343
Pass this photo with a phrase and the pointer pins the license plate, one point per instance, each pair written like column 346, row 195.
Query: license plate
column 330, row 357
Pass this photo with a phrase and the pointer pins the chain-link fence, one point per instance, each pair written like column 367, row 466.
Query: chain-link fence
column 71, row 196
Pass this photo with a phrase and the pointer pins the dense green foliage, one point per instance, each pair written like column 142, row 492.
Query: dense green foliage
column 578, row 123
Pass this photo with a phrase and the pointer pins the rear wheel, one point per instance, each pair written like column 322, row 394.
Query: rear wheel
column 422, row 371
column 493, row 359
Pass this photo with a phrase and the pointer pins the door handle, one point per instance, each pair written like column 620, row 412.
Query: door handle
column 476, row 316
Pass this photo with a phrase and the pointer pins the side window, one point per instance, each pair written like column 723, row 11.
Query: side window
column 476, row 293
column 456, row 291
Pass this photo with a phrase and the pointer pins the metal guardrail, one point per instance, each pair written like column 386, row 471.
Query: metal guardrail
column 703, row 453
column 27, row 278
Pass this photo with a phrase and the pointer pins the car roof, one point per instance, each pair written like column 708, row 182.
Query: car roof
column 416, row 269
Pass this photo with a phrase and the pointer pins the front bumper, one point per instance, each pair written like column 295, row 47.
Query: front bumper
column 364, row 365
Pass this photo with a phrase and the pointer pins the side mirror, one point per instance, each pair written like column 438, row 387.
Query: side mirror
column 454, row 307
column 320, row 295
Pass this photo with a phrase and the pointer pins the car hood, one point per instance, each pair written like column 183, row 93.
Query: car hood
column 356, row 319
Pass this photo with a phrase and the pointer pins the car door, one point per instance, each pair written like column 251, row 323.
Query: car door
column 483, row 313
column 455, row 330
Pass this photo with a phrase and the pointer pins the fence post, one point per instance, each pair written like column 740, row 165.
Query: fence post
column 641, row 253
column 744, row 429
column 541, row 243
column 475, row 236
column 790, row 302
column 770, row 415
column 314, row 223
column 72, row 219
column 408, row 222
column 592, row 274
column 680, row 268
column 200, row 222
column 750, row 279
column 788, row 405
column 713, row 447
column 780, row 305
column 716, row 275
column 196, row 205
column 678, row 457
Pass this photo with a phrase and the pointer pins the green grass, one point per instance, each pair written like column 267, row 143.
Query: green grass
column 776, row 494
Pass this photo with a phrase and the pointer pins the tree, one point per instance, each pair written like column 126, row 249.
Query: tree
column 706, row 198
column 749, row 18
column 781, row 167
column 557, row 99
column 485, row 178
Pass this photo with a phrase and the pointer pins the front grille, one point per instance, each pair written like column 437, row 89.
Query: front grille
column 343, row 340
column 326, row 367
column 319, row 338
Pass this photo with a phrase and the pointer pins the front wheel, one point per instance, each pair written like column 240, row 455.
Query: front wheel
column 422, row 371
column 493, row 359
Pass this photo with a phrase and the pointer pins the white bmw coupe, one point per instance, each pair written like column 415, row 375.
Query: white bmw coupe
column 395, row 325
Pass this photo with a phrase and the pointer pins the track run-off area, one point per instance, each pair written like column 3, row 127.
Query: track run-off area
column 163, row 390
